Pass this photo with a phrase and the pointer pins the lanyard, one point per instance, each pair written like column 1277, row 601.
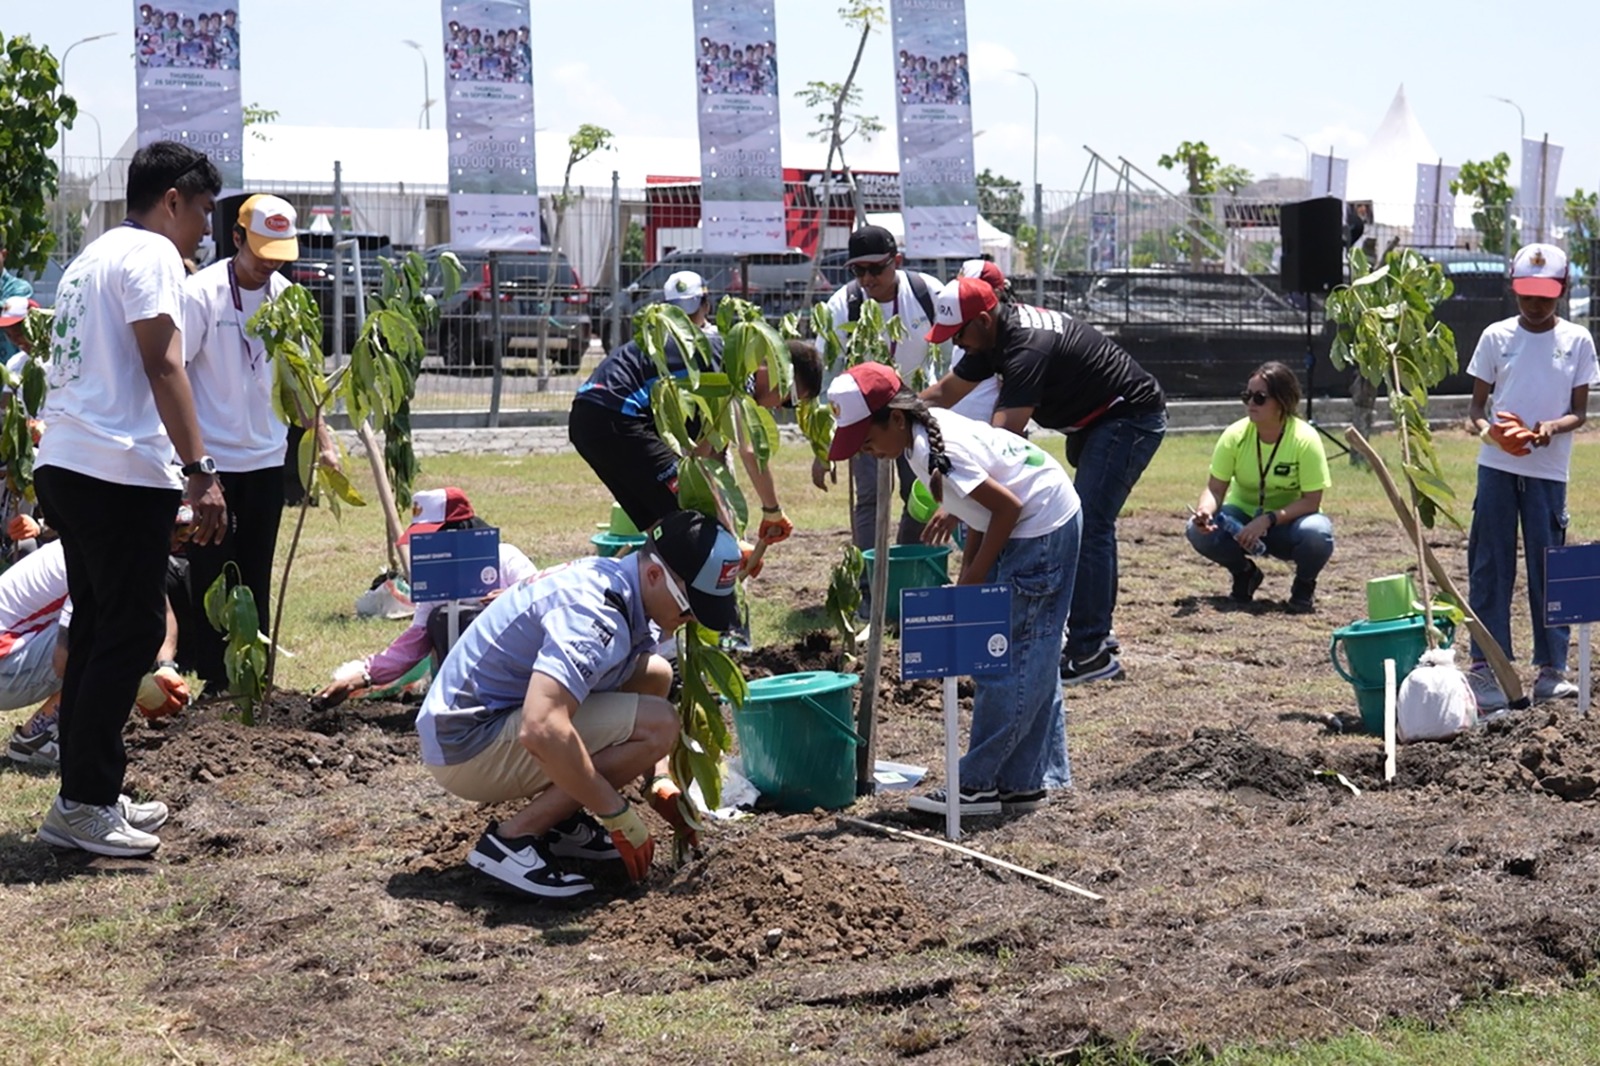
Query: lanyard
column 131, row 224
column 1262, row 468
column 238, row 317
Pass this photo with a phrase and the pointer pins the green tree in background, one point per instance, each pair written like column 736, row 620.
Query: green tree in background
column 839, row 118
column 1204, row 176
column 1486, row 183
column 1582, row 214
column 1000, row 201
column 31, row 106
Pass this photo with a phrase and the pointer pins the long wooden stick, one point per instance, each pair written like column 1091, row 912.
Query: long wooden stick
column 1504, row 672
column 861, row 823
column 391, row 514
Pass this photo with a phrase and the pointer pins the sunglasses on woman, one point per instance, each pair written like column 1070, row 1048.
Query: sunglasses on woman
column 1254, row 399
column 861, row 270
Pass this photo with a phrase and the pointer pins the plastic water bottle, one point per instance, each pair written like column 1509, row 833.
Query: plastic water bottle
column 1231, row 526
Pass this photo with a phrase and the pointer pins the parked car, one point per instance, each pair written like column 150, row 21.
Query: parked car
column 467, row 320
column 314, row 270
column 777, row 281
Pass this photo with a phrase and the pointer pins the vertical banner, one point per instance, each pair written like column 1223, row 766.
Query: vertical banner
column 1537, row 204
column 188, row 87
column 1329, row 175
column 1103, row 241
column 1433, row 222
column 938, row 182
column 741, row 169
column 488, row 96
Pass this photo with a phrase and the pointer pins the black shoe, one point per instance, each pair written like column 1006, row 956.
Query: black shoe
column 525, row 864
column 580, row 837
column 1103, row 665
column 1303, row 596
column 1023, row 802
column 1245, row 583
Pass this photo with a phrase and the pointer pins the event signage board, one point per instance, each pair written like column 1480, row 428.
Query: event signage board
column 488, row 93
column 741, row 165
column 933, row 87
column 955, row 630
column 186, row 55
column 454, row 564
column 1572, row 585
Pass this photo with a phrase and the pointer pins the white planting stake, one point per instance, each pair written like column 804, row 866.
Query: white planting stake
column 952, row 761
column 1388, row 719
column 1583, row 668
column 889, row 830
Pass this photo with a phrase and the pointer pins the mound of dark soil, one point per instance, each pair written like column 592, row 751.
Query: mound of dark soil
column 1222, row 759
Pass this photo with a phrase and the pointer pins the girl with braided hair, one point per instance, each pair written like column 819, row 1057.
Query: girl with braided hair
column 1023, row 525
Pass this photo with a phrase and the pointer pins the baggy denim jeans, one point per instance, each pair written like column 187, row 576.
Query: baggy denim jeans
column 1307, row 542
column 1540, row 506
column 1018, row 741
column 1115, row 454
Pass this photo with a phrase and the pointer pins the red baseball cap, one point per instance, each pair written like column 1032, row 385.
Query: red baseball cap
column 433, row 509
column 1539, row 270
column 985, row 271
column 15, row 309
column 958, row 303
column 855, row 396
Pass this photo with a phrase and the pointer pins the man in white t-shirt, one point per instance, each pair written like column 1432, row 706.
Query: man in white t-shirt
column 875, row 261
column 120, row 417
column 232, row 380
column 1532, row 374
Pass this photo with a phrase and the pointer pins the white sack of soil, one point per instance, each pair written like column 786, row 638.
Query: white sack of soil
column 1435, row 701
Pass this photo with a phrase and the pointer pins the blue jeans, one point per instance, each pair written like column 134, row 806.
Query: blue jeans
column 1115, row 453
column 864, row 517
column 1540, row 506
column 1019, row 740
column 1307, row 542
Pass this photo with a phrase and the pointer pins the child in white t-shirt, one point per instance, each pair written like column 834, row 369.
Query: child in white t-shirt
column 1023, row 520
column 1533, row 373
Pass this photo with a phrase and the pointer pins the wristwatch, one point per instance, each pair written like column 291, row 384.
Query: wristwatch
column 203, row 465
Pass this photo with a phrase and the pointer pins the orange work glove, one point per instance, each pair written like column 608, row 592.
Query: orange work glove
column 774, row 528
column 162, row 692
column 1510, row 435
column 22, row 527
column 667, row 800
column 632, row 840
column 750, row 559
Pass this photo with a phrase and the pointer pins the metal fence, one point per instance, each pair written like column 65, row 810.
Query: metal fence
column 1189, row 285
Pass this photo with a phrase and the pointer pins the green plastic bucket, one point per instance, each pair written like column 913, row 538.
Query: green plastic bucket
column 621, row 525
column 1390, row 597
column 610, row 544
column 798, row 740
column 911, row 566
column 1367, row 644
column 920, row 504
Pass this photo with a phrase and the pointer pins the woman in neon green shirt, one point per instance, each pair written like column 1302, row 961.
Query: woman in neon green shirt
column 1268, row 473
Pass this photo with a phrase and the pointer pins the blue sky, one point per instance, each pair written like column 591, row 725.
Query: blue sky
column 1131, row 78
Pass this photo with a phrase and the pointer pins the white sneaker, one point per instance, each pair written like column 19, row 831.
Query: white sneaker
column 1552, row 684
column 1486, row 690
column 145, row 817
column 102, row 830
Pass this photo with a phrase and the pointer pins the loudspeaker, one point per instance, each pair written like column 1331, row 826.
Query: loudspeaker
column 223, row 217
column 1313, row 245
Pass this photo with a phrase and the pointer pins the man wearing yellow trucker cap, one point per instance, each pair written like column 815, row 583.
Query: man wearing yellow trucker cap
column 232, row 380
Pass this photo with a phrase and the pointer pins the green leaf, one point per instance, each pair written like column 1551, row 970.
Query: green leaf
column 760, row 428
column 694, row 487
column 724, row 675
column 340, row 486
column 730, row 497
column 216, row 603
column 243, row 621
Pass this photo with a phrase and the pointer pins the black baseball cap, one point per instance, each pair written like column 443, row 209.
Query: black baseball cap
column 871, row 244
column 708, row 559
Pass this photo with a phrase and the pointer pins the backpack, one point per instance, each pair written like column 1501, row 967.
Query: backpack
column 919, row 289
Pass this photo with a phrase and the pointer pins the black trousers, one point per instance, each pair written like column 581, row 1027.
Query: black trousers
column 115, row 539
column 255, row 507
column 630, row 458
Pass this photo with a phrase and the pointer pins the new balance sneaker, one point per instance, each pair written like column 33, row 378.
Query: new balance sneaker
column 1486, row 690
column 1245, row 583
column 580, row 837
column 1023, row 802
column 102, row 830
column 972, row 805
column 1552, row 684
column 1303, row 596
column 38, row 748
column 525, row 864
column 1103, row 665
column 145, row 817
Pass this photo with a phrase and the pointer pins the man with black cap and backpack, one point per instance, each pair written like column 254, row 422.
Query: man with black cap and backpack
column 553, row 697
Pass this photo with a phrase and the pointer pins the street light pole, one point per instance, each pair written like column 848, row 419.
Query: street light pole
column 1038, row 199
column 61, row 172
column 1522, row 138
column 1307, row 148
column 427, row 83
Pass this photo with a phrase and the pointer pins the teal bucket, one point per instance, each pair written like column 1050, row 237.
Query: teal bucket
column 911, row 566
column 611, row 544
column 797, row 739
column 1367, row 644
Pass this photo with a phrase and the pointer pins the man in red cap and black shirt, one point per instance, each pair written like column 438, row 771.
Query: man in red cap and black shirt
column 1064, row 375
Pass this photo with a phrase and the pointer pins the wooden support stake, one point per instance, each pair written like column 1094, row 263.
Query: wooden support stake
column 1504, row 672
column 391, row 515
column 889, row 830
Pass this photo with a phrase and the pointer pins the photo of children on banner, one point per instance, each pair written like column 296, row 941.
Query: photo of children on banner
column 1022, row 516
column 738, row 69
column 205, row 41
column 934, row 79
column 474, row 54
